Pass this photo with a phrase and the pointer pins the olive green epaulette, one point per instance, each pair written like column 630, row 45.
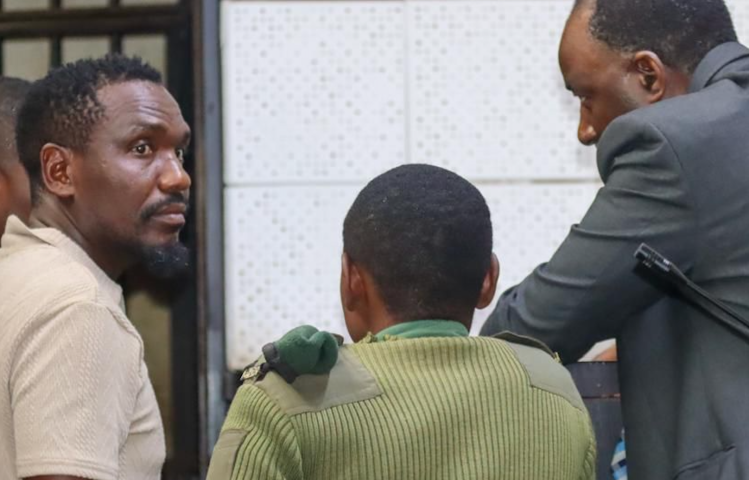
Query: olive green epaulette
column 528, row 342
column 544, row 373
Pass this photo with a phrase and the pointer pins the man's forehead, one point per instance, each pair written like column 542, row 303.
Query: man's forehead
column 139, row 103
column 577, row 28
column 140, row 98
column 579, row 51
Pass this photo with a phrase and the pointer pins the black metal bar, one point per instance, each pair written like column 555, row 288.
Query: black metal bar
column 210, row 222
column 55, row 53
column 91, row 22
column 185, row 329
column 115, row 43
column 55, row 59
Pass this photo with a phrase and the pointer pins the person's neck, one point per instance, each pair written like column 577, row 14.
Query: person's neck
column 678, row 83
column 50, row 213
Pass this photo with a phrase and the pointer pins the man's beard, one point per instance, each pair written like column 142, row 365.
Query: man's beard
column 165, row 261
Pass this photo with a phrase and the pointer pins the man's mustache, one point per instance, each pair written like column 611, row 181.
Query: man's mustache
column 152, row 210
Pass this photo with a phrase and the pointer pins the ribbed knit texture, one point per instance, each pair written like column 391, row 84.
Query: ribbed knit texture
column 75, row 398
column 452, row 409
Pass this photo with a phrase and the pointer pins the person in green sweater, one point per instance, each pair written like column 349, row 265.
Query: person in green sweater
column 415, row 397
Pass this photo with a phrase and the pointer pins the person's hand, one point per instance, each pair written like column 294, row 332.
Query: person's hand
column 608, row 355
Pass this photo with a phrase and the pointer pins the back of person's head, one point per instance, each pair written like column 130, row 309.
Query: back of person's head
column 63, row 107
column 680, row 32
column 424, row 234
column 14, row 184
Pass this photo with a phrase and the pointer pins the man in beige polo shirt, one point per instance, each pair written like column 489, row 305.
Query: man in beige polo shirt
column 103, row 144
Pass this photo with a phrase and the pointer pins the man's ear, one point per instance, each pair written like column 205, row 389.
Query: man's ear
column 57, row 170
column 489, row 287
column 652, row 75
column 353, row 289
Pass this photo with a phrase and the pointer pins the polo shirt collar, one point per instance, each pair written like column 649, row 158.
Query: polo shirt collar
column 17, row 234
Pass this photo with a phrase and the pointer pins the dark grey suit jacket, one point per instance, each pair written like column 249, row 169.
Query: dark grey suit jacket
column 676, row 175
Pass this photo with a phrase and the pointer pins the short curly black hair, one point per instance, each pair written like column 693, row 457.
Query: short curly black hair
column 425, row 235
column 63, row 107
column 680, row 32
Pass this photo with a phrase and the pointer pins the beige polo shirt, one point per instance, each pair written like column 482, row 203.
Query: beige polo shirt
column 75, row 397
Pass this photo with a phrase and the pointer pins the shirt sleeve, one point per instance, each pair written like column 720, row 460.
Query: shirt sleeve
column 592, row 284
column 589, row 464
column 267, row 447
column 73, row 389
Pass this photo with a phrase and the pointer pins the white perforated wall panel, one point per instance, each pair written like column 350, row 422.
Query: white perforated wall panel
column 316, row 91
column 487, row 98
column 740, row 13
column 319, row 97
column 284, row 250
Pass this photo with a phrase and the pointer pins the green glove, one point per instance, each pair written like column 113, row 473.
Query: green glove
column 303, row 351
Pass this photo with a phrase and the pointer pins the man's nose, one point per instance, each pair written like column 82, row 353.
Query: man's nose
column 586, row 133
column 174, row 177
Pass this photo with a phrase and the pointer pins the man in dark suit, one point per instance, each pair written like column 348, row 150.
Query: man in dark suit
column 664, row 92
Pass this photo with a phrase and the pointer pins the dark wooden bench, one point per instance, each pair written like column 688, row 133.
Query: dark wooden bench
column 598, row 383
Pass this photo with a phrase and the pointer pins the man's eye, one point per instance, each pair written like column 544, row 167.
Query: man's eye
column 142, row 149
column 181, row 154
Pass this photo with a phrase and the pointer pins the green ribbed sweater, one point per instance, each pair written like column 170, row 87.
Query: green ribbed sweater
column 448, row 408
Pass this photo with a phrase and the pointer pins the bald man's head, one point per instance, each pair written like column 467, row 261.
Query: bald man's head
column 14, row 183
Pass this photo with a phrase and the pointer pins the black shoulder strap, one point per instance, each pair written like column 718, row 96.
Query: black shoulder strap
column 524, row 340
column 659, row 265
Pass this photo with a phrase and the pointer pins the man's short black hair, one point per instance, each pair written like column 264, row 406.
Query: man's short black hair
column 63, row 107
column 680, row 32
column 425, row 235
column 12, row 93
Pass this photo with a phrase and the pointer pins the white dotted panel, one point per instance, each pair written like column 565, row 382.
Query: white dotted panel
column 740, row 13
column 530, row 222
column 283, row 248
column 487, row 97
column 315, row 91
column 283, row 251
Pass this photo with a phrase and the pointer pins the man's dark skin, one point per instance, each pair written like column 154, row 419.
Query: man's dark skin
column 128, row 189
column 14, row 183
column 610, row 83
